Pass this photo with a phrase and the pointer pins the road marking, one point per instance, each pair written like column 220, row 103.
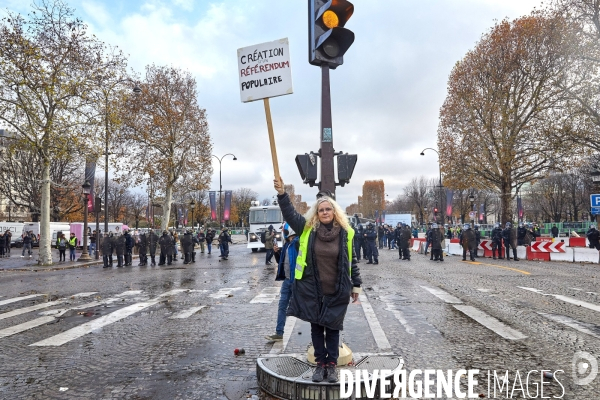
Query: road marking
column 130, row 293
column 490, row 322
column 187, row 313
column 442, row 295
column 498, row 266
column 224, row 292
column 279, row 347
column 88, row 327
column 590, row 329
column 25, row 326
column 84, row 294
column 378, row 333
column 485, row 290
column 266, row 296
column 15, row 299
column 400, row 317
column 25, row 310
column 566, row 299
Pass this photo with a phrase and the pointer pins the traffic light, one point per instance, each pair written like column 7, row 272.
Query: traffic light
column 328, row 40
column 98, row 205
column 345, row 167
column 307, row 165
column 435, row 212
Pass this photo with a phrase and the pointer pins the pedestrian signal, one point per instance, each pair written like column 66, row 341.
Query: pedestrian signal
column 328, row 40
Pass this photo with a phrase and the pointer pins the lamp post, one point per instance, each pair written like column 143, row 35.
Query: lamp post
column 192, row 206
column 426, row 216
column 136, row 89
column 440, row 170
column 221, row 185
column 472, row 200
column 86, row 192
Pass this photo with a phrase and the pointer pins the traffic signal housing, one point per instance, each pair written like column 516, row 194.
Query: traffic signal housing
column 98, row 205
column 328, row 40
column 345, row 167
column 307, row 166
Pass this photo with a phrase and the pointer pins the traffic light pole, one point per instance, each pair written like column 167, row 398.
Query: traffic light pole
column 327, row 171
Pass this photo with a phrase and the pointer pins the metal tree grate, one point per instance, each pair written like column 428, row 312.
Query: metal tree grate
column 288, row 367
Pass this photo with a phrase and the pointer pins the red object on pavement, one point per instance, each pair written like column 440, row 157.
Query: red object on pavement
column 454, row 241
column 236, row 351
column 533, row 255
column 577, row 242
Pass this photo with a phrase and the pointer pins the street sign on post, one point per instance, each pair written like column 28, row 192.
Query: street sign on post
column 595, row 204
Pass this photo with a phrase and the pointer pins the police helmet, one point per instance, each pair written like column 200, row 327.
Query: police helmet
column 466, row 226
column 434, row 225
column 476, row 227
column 592, row 226
column 520, row 224
column 508, row 225
column 370, row 224
column 497, row 225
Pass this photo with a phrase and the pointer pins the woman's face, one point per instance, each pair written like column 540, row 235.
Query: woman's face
column 325, row 212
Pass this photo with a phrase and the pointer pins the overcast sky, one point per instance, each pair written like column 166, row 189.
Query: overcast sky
column 385, row 98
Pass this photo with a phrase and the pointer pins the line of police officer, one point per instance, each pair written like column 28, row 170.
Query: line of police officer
column 123, row 247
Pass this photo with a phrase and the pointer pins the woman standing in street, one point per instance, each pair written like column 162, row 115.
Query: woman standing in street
column 325, row 278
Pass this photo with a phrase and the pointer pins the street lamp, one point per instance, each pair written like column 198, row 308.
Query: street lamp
column 221, row 185
column 192, row 206
column 440, row 170
column 137, row 90
column 86, row 195
column 472, row 200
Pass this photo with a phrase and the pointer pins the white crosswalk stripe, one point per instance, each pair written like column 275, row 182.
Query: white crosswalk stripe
column 266, row 296
column 25, row 310
column 225, row 292
column 88, row 327
column 566, row 299
column 187, row 313
column 15, row 299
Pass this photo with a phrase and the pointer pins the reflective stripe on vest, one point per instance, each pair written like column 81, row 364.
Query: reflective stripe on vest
column 303, row 250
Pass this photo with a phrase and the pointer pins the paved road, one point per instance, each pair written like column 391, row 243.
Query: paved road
column 158, row 333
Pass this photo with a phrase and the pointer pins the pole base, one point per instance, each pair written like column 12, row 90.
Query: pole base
column 85, row 257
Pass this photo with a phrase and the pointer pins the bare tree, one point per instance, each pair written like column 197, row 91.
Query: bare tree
column 167, row 133
column 47, row 71
column 242, row 199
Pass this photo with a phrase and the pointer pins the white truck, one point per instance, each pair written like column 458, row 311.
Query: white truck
column 260, row 219
column 15, row 228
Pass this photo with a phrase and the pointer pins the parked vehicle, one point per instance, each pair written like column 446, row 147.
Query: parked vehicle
column 260, row 219
column 16, row 228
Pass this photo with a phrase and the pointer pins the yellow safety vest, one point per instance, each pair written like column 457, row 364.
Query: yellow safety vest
column 303, row 251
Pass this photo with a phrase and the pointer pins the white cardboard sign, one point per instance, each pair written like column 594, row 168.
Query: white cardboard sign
column 265, row 70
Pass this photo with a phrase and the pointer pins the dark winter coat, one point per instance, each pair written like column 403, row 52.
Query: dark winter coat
column 210, row 236
column 435, row 239
column 152, row 242
column 468, row 239
column 166, row 242
column 593, row 236
column 120, row 245
column 497, row 235
column 143, row 243
column 371, row 234
column 405, row 237
column 201, row 237
column 128, row 242
column 107, row 246
column 307, row 301
column 554, row 231
column 510, row 235
column 187, row 244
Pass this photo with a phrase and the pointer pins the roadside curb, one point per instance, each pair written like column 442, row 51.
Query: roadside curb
column 57, row 268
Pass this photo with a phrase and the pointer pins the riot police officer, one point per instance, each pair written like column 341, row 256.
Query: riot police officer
column 521, row 233
column 398, row 238
column 509, row 236
column 436, row 235
column 370, row 236
column 120, row 249
column 142, row 247
column 358, row 242
column 187, row 245
column 405, row 235
column 468, row 242
column 477, row 240
column 152, row 241
column 497, row 242
column 593, row 236
column 107, row 250
column 128, row 248
column 166, row 248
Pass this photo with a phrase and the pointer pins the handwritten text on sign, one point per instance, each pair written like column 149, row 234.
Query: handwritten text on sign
column 265, row 70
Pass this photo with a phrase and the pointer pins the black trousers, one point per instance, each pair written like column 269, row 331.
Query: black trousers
column 471, row 254
column 497, row 245
column 437, row 254
column 357, row 249
column 326, row 343
column 105, row 257
column 405, row 252
column 508, row 246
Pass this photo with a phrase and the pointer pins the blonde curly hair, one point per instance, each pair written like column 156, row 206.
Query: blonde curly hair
column 339, row 216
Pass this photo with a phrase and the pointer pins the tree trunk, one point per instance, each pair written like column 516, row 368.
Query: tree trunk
column 167, row 207
column 45, row 251
column 506, row 201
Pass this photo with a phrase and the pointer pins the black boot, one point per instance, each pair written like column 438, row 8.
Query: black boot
column 515, row 254
column 169, row 260
column 152, row 257
column 193, row 256
column 161, row 260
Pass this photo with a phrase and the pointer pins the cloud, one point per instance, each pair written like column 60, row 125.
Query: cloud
column 385, row 98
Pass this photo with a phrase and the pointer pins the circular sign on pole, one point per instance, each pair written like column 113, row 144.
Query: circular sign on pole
column 472, row 214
